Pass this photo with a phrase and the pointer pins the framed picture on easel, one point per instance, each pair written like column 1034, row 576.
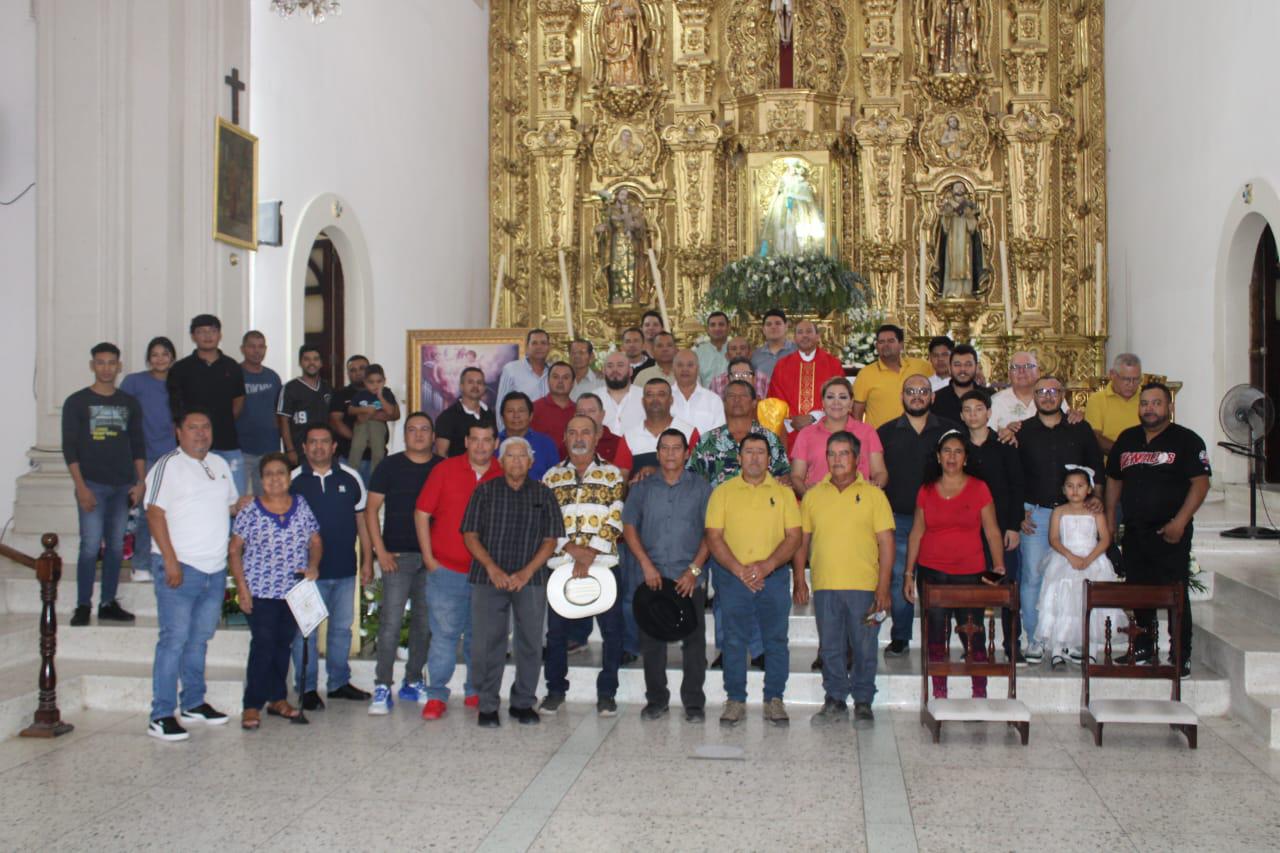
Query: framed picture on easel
column 437, row 358
column 235, row 185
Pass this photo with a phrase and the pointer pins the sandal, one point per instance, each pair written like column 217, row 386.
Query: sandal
column 284, row 709
column 250, row 719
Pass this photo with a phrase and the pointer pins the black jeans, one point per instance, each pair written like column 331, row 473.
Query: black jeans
column 271, row 632
column 693, row 660
column 1151, row 560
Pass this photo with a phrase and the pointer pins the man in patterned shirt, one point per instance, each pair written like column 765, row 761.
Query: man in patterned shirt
column 715, row 459
column 589, row 491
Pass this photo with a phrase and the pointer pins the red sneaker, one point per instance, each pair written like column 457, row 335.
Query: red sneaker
column 434, row 710
column 472, row 701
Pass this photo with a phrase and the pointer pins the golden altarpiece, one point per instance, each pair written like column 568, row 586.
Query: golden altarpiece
column 894, row 134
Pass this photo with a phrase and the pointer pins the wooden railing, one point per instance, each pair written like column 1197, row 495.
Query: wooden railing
column 48, row 720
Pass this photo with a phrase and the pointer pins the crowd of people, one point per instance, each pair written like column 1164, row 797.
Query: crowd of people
column 742, row 480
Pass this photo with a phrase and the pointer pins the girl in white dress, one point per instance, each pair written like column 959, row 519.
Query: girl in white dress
column 1079, row 540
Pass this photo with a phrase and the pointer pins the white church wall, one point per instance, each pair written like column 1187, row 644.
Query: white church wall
column 383, row 110
column 17, row 240
column 1190, row 121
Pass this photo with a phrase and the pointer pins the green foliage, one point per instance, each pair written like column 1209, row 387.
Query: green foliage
column 812, row 284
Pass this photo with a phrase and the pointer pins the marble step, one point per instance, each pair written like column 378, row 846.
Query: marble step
column 126, row 686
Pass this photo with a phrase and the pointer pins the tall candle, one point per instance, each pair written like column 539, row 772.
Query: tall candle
column 657, row 286
column 1004, row 288
column 923, row 276
column 564, row 297
column 1097, row 290
column 497, row 291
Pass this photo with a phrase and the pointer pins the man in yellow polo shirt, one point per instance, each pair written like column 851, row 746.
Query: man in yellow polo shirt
column 877, row 392
column 1114, row 409
column 753, row 529
column 848, row 542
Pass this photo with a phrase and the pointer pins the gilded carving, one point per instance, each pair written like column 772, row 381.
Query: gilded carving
column 678, row 102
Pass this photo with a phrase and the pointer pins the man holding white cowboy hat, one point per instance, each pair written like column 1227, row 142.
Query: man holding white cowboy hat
column 590, row 492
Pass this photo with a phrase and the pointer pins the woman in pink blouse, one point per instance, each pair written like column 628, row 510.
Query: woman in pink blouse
column 809, row 454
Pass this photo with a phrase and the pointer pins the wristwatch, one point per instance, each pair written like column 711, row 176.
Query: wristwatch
column 695, row 570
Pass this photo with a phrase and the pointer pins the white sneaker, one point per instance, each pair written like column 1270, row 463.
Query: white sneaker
column 141, row 576
column 381, row 704
column 1034, row 652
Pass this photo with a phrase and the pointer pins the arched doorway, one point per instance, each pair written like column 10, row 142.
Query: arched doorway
column 1264, row 337
column 324, row 314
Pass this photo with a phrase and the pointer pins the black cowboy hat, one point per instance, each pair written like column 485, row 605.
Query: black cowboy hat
column 664, row 614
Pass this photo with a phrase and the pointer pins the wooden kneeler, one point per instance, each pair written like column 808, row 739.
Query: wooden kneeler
column 1095, row 713
column 992, row 599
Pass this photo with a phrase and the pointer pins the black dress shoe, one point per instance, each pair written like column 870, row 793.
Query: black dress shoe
column 757, row 662
column 348, row 691
column 488, row 720
column 718, row 663
column 80, row 617
column 628, row 658
column 654, row 711
column 816, row 666
column 111, row 611
column 311, row 701
column 523, row 716
column 695, row 715
column 896, row 649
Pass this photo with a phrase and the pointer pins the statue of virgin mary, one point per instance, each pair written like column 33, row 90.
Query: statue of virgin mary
column 793, row 223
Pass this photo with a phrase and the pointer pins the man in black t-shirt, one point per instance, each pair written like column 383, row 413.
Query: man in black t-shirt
column 104, row 448
column 211, row 380
column 1158, row 474
column 964, row 378
column 454, row 422
column 394, row 486
column 303, row 401
column 342, row 422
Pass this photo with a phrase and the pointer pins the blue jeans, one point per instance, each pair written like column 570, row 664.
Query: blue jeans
column 772, row 607
column 339, row 597
column 904, row 612
column 105, row 523
column 142, row 556
column 1034, row 547
column 841, row 624
column 188, row 615
column 449, row 614
column 556, row 663
column 235, row 461
column 755, row 644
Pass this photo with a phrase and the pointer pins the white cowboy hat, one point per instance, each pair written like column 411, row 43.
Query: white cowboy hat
column 578, row 598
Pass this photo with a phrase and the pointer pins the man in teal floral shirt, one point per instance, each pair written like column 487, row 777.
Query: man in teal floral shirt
column 715, row 456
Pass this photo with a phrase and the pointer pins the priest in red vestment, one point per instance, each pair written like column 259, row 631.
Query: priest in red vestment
column 797, row 378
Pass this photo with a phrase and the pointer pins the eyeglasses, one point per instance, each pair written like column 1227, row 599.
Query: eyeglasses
column 1019, row 368
column 1048, row 392
column 1128, row 380
column 917, row 392
column 742, row 375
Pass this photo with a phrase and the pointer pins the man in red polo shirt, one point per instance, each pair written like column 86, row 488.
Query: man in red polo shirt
column 552, row 413
column 437, row 519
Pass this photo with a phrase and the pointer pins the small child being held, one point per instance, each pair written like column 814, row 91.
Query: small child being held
column 372, row 407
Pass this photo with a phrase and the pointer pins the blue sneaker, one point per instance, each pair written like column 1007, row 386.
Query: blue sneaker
column 381, row 704
column 415, row 692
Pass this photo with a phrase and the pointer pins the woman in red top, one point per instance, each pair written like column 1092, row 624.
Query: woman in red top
column 953, row 512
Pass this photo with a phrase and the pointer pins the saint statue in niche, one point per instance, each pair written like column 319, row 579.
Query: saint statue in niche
column 951, row 36
column 624, row 38
column 622, row 244
column 793, row 223
column 959, row 257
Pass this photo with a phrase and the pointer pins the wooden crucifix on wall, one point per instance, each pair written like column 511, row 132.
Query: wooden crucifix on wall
column 237, row 86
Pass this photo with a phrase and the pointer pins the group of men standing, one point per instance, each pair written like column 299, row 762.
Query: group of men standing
column 659, row 468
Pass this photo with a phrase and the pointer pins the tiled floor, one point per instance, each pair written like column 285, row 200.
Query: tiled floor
column 578, row 782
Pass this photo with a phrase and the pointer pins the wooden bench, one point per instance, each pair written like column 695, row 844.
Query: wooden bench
column 1095, row 713
column 992, row 599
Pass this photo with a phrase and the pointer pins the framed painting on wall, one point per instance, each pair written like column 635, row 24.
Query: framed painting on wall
column 235, row 185
column 437, row 357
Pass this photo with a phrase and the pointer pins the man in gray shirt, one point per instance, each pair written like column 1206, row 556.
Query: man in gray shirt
column 663, row 523
column 775, row 346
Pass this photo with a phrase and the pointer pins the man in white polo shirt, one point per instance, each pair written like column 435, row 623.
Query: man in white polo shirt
column 190, row 499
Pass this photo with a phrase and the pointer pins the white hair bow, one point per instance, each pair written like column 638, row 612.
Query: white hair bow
column 1088, row 472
